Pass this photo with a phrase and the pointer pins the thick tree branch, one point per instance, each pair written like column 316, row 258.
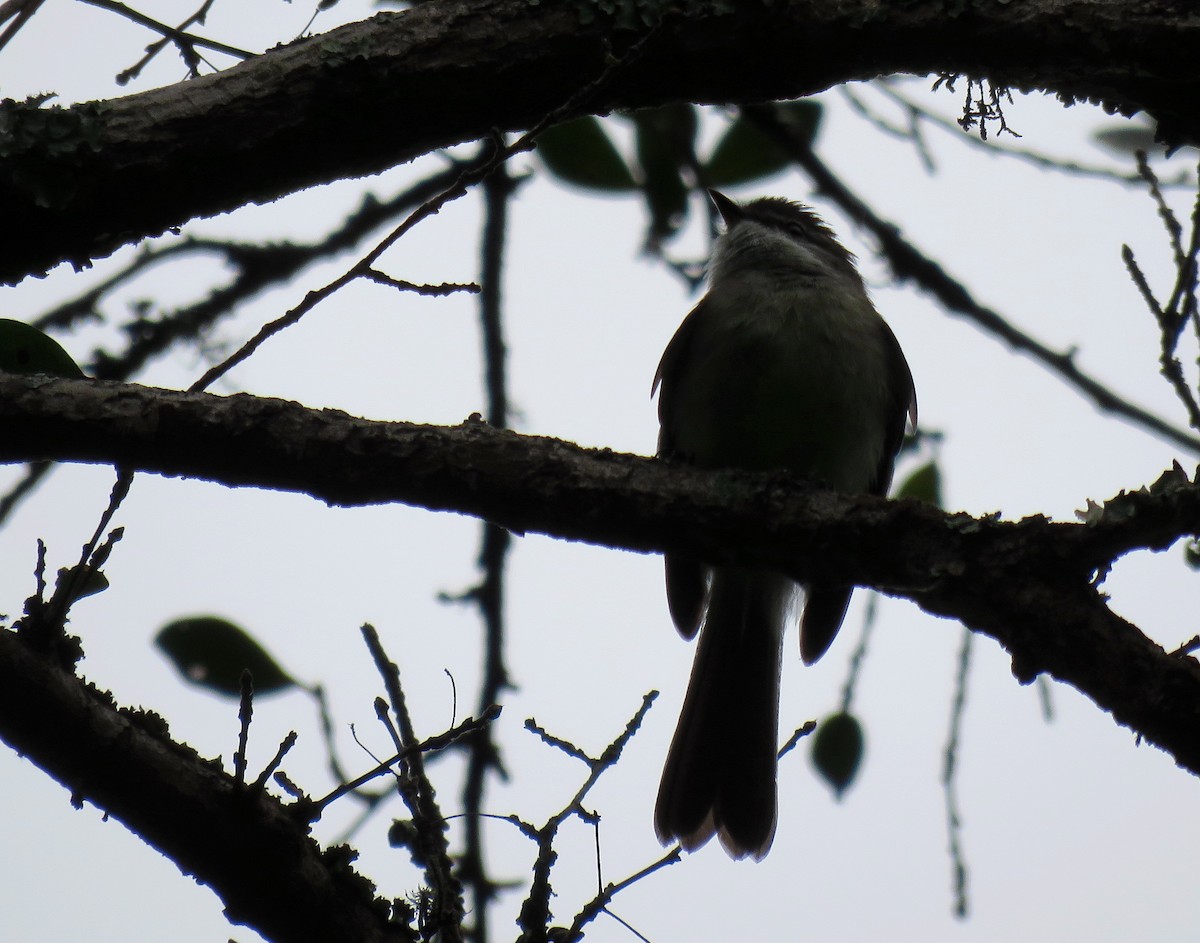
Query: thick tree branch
column 1028, row 584
column 78, row 183
column 241, row 841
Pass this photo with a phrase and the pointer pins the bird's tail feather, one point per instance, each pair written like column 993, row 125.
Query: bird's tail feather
column 719, row 777
column 824, row 609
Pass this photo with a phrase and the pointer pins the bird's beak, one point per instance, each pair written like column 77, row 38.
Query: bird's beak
column 730, row 211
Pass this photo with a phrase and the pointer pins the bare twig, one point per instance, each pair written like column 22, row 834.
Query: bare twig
column 798, row 734
column 483, row 755
column 284, row 747
column 20, row 12
column 384, row 767
column 535, row 911
column 919, row 116
column 430, row 848
column 466, row 180
column 126, row 76
column 185, row 42
column 949, row 776
column 445, row 288
column 245, row 714
column 1180, row 308
column 257, row 269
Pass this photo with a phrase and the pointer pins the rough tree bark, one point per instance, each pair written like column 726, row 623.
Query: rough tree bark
column 78, row 183
column 1027, row 584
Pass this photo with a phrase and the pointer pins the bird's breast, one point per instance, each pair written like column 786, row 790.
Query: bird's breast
column 795, row 382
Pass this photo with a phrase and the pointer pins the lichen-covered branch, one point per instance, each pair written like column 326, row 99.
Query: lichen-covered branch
column 241, row 841
column 1028, row 584
column 78, row 183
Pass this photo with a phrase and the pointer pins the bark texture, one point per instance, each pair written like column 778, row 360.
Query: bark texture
column 1028, row 584
column 79, row 183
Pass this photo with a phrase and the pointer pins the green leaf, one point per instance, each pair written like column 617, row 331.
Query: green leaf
column 25, row 349
column 666, row 140
column 744, row 153
column 579, row 152
column 1127, row 138
column 838, row 751
column 924, row 484
column 803, row 117
column 213, row 652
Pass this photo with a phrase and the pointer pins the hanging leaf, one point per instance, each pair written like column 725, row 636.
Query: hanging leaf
column 802, row 117
column 838, row 751
column 1128, row 137
column 579, row 152
column 666, row 142
column 745, row 154
column 213, row 652
column 924, row 484
column 25, row 349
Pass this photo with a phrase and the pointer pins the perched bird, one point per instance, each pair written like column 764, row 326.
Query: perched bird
column 783, row 364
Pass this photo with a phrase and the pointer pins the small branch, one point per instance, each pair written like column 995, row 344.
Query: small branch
column 284, row 748
column 798, row 734
column 599, row 904
column 467, row 179
column 535, row 911
column 859, row 653
column 1181, row 307
column 483, row 753
column 439, row 742
column 186, row 42
column 430, row 850
column 123, row 78
column 245, row 713
column 445, row 288
column 555, row 742
column 257, row 269
column 919, row 116
column 950, row 777
column 20, row 12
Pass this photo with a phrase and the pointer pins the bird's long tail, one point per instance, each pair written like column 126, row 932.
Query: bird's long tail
column 719, row 777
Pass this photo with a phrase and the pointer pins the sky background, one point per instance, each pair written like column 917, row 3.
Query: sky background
column 1071, row 830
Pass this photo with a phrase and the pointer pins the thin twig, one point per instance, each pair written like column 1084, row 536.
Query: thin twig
column 430, row 848
column 177, row 36
column 483, row 754
column 245, row 714
column 466, row 180
column 20, row 11
column 126, row 76
column 949, row 776
column 919, row 115
column 257, row 269
column 1180, row 308
column 284, row 747
column 599, row 904
column 384, row 767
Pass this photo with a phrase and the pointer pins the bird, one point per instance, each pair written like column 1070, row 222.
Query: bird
column 783, row 365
